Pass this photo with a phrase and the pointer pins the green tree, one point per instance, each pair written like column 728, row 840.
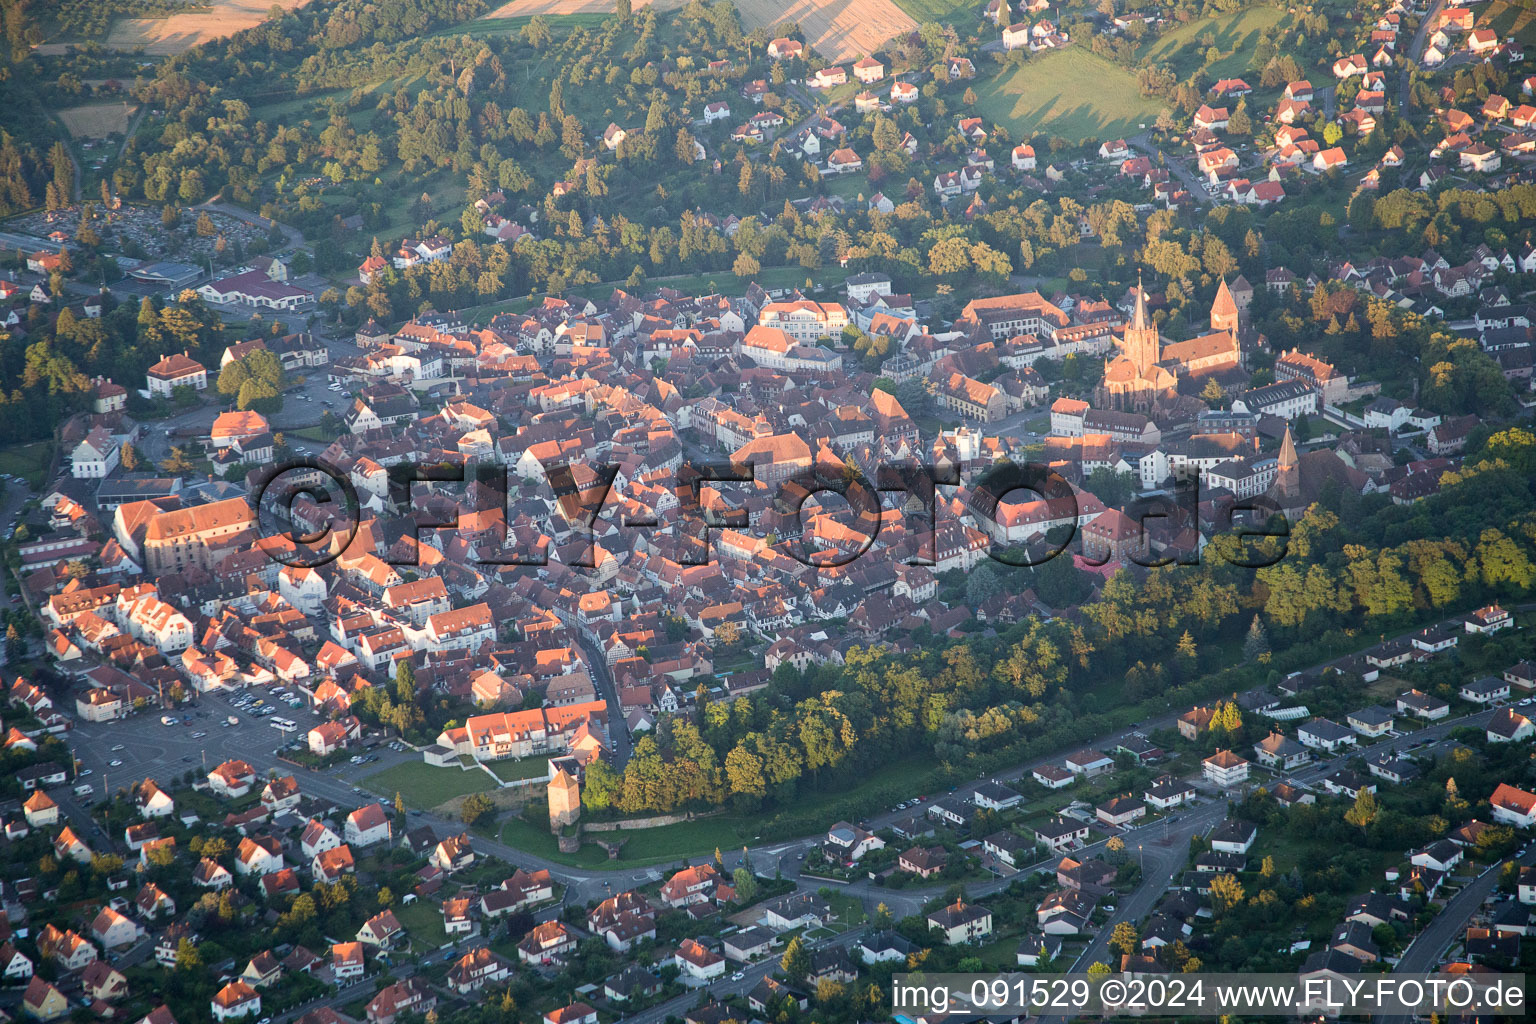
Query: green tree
column 177, row 462
column 1227, row 892
column 1256, row 643
column 1124, row 938
column 188, row 959
column 796, row 961
column 475, row 807
column 536, row 33
column 1364, row 811
column 1240, row 122
column 405, row 682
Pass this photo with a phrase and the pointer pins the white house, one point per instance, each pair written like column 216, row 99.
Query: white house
column 1322, row 734
column 366, row 826
column 1513, row 806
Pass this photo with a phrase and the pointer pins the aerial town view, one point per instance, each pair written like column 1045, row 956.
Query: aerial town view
column 693, row 511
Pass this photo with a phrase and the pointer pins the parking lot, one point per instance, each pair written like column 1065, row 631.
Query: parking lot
column 303, row 406
column 200, row 736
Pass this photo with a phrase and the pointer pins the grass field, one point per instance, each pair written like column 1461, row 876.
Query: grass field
column 603, row 8
column 702, row 837
column 179, row 33
column 943, row 12
column 1073, row 93
column 424, row 786
column 96, row 120
column 525, row 835
column 641, row 846
column 496, row 25
column 1235, row 34
column 29, row 461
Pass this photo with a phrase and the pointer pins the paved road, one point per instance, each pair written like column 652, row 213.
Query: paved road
column 133, row 127
column 13, row 240
column 1415, row 50
column 1143, row 143
column 1423, row 954
column 295, row 237
column 602, row 679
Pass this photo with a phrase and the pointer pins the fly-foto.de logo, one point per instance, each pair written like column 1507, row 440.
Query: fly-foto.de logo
column 312, row 512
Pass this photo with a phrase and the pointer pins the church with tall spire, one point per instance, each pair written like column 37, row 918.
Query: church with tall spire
column 1147, row 370
column 1285, row 492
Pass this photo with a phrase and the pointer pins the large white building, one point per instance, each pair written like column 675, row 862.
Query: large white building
column 94, row 457
column 804, row 320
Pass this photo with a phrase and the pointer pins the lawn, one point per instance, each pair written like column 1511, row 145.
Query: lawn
column 851, row 187
column 424, row 786
column 424, row 920
column 1001, row 952
column 1073, row 93
column 703, row 836
column 27, row 460
column 532, row 838
column 641, row 846
column 527, row 768
column 849, row 909
column 1236, row 37
column 447, row 196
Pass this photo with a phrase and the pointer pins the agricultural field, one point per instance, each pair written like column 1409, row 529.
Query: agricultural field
column 164, row 37
column 97, row 120
column 1510, row 20
column 839, row 30
column 528, row 8
column 1235, row 37
column 1073, row 93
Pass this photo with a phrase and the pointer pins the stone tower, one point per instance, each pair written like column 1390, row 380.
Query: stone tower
column 1224, row 313
column 1143, row 347
column 564, row 800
